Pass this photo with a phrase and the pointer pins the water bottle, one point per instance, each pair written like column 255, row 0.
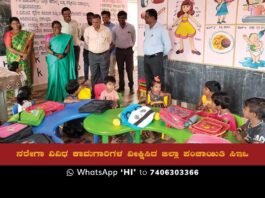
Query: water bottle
column 191, row 120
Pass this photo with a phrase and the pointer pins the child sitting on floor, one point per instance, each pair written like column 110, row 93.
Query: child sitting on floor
column 254, row 129
column 73, row 128
column 76, row 92
column 209, row 89
column 23, row 98
column 109, row 93
column 72, row 88
column 221, row 103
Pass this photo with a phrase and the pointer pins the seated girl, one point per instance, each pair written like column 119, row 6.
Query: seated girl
column 221, row 102
column 109, row 93
column 155, row 97
column 209, row 89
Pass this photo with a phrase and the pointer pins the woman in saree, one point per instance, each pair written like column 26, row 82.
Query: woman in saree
column 61, row 62
column 18, row 44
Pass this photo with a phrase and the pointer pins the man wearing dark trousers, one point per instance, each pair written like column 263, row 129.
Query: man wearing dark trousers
column 70, row 26
column 98, row 38
column 124, row 38
column 157, row 44
column 89, row 16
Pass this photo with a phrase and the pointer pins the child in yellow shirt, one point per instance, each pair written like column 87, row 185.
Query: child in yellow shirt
column 209, row 89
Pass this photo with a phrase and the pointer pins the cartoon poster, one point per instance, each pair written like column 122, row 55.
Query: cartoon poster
column 250, row 47
column 251, row 11
column 219, row 45
column 159, row 5
column 186, row 25
column 221, row 11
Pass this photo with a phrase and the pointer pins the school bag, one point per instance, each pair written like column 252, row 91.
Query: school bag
column 14, row 132
column 137, row 116
column 35, row 139
column 178, row 117
column 209, row 126
column 96, row 106
column 32, row 118
column 48, row 107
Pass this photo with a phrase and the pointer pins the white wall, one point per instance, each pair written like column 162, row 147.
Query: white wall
column 133, row 19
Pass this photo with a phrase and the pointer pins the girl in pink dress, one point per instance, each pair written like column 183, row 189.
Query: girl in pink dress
column 221, row 102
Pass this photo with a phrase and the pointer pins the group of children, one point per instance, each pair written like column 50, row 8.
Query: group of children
column 214, row 102
column 217, row 103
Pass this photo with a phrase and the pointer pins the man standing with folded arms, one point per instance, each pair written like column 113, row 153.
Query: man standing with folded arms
column 124, row 38
column 98, row 38
column 157, row 44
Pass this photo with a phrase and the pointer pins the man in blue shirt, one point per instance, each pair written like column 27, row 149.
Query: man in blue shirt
column 157, row 44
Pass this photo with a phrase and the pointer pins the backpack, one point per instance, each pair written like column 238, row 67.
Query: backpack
column 137, row 116
column 209, row 126
column 48, row 107
column 35, row 139
column 96, row 106
column 14, row 132
column 178, row 117
column 32, row 118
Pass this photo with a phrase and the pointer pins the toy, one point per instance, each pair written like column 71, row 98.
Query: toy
column 116, row 122
column 157, row 116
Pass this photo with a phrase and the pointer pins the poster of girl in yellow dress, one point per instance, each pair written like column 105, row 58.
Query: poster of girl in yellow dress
column 186, row 30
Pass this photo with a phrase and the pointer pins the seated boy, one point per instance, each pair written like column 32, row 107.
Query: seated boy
column 254, row 129
column 76, row 92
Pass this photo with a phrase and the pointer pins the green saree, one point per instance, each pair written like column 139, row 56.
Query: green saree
column 60, row 71
column 20, row 43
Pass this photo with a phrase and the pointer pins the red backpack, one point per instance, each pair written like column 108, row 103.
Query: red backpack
column 177, row 117
column 209, row 126
column 48, row 107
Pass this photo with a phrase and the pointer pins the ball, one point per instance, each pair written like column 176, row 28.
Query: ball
column 157, row 116
column 116, row 122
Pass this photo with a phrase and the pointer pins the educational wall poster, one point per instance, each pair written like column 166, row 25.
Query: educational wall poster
column 185, row 23
column 37, row 15
column 214, row 32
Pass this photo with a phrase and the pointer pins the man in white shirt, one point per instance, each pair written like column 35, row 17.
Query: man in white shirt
column 72, row 27
column 89, row 17
column 98, row 38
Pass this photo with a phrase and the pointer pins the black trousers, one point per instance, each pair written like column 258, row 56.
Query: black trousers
column 86, row 63
column 153, row 66
column 77, row 54
column 125, row 56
